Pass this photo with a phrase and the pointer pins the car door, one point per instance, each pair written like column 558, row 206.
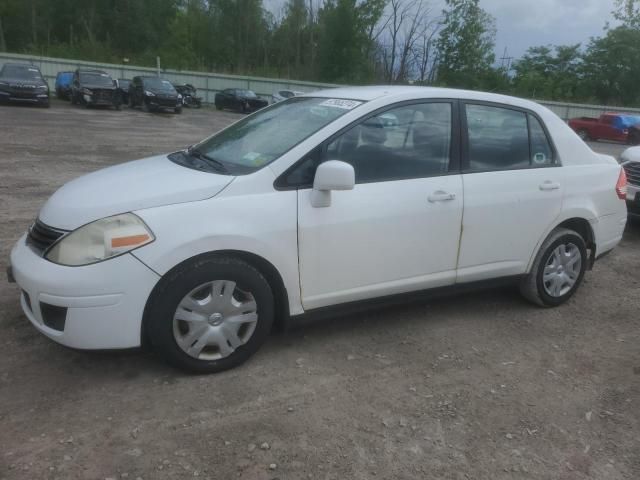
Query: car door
column 398, row 230
column 606, row 129
column 512, row 190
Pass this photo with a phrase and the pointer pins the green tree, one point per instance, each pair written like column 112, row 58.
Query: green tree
column 627, row 12
column 611, row 67
column 466, row 44
column 549, row 72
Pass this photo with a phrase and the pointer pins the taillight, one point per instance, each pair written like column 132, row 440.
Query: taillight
column 621, row 186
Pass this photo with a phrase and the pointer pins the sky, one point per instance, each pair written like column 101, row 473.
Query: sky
column 528, row 23
column 525, row 23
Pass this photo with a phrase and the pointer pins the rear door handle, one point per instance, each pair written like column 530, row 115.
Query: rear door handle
column 548, row 186
column 441, row 196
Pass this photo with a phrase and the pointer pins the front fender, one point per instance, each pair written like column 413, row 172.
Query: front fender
column 264, row 225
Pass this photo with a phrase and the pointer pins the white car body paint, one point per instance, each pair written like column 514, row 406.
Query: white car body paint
column 377, row 239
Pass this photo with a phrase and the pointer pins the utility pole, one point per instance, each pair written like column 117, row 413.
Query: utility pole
column 506, row 62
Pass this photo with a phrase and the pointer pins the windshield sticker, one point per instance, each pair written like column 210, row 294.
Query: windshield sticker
column 253, row 157
column 340, row 103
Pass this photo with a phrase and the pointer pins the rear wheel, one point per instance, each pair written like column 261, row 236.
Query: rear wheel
column 558, row 269
column 210, row 314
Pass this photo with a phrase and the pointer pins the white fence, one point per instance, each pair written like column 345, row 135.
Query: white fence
column 206, row 83
column 210, row 83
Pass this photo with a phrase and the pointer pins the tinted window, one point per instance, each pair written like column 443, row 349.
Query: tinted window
column 158, row 84
column 406, row 142
column 541, row 151
column 22, row 72
column 498, row 138
column 96, row 78
column 286, row 93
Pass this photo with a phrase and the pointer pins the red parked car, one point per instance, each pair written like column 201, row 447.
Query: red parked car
column 610, row 126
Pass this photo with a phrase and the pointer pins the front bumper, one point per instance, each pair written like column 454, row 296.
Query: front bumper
column 93, row 307
column 30, row 97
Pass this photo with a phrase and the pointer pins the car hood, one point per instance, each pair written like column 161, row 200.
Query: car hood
column 97, row 87
column 146, row 183
column 162, row 92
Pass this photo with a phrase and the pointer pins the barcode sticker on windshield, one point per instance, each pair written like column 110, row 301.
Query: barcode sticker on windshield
column 340, row 103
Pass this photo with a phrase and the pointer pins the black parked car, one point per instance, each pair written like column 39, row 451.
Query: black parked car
column 239, row 99
column 23, row 83
column 123, row 85
column 94, row 88
column 154, row 93
column 189, row 97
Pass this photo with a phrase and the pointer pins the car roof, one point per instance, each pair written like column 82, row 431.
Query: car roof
column 368, row 93
column 26, row 65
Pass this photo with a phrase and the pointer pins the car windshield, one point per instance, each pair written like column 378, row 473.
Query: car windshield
column 22, row 72
column 261, row 138
column 246, row 93
column 158, row 84
column 95, row 78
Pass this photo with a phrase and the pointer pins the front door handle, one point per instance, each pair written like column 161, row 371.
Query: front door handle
column 441, row 196
column 549, row 185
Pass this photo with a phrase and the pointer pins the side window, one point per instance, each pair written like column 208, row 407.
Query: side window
column 411, row 141
column 498, row 138
column 541, row 151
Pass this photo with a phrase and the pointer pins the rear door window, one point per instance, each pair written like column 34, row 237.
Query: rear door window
column 505, row 139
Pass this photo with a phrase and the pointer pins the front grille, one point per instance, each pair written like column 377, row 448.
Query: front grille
column 102, row 96
column 633, row 173
column 42, row 236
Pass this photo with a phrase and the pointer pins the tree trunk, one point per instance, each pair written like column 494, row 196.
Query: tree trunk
column 34, row 29
column 3, row 43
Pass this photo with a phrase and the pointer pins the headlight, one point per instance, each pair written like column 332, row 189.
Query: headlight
column 149, row 94
column 100, row 240
column 179, row 96
column 86, row 91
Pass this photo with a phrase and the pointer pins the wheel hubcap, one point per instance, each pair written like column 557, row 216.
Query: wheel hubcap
column 214, row 319
column 562, row 270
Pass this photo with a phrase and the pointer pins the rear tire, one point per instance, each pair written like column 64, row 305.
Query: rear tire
column 190, row 313
column 558, row 269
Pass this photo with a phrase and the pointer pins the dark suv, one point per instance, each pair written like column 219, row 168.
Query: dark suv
column 154, row 93
column 23, row 83
column 94, row 88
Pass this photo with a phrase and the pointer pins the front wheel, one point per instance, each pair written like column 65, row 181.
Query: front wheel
column 210, row 314
column 558, row 269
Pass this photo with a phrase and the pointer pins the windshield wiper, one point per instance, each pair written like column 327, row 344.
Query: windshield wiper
column 194, row 152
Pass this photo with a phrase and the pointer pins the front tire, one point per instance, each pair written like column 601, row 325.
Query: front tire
column 210, row 314
column 558, row 269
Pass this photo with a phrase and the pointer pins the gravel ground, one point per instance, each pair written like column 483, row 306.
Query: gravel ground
column 481, row 386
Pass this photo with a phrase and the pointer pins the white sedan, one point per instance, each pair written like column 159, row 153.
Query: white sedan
column 318, row 202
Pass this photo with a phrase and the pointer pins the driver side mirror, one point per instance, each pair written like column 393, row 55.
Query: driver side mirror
column 331, row 175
